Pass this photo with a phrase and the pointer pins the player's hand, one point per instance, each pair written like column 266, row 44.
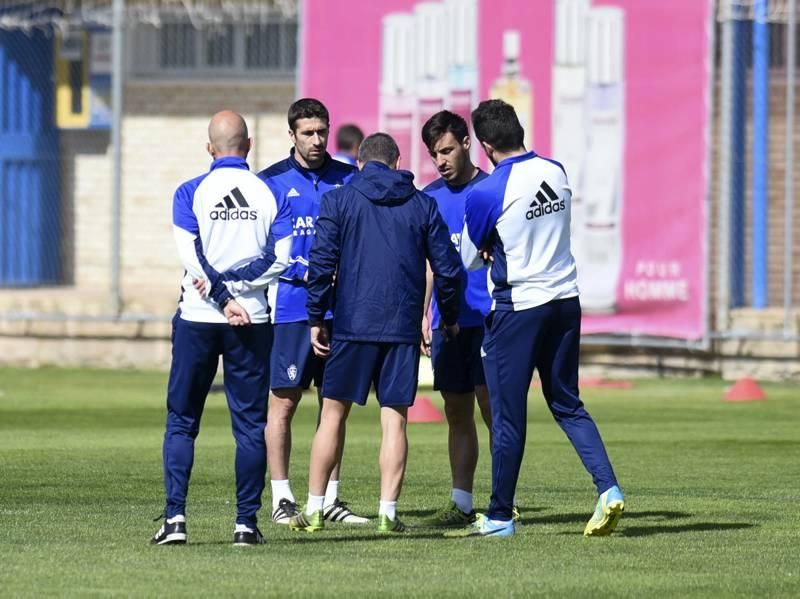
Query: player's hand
column 486, row 255
column 451, row 331
column 425, row 344
column 320, row 341
column 201, row 286
column 236, row 315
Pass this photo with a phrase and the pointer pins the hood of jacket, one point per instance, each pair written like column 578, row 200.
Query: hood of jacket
column 383, row 185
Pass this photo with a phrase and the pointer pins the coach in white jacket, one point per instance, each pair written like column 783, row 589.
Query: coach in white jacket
column 225, row 221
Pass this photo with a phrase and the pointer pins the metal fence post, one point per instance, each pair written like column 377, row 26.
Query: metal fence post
column 760, row 207
column 788, row 230
column 118, row 15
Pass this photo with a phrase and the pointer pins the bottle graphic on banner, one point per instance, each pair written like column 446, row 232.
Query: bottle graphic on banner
column 512, row 87
column 462, row 72
column 568, row 109
column 431, row 81
column 397, row 102
column 603, row 183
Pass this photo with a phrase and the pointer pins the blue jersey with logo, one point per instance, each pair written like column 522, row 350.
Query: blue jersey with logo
column 476, row 300
column 302, row 188
column 522, row 213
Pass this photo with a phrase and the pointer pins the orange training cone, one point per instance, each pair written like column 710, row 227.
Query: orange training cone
column 423, row 410
column 745, row 389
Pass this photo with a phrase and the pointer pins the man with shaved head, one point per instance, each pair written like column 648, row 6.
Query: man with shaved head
column 224, row 221
column 227, row 133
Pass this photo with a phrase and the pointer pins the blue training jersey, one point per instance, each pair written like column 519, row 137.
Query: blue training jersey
column 521, row 212
column 302, row 188
column 476, row 300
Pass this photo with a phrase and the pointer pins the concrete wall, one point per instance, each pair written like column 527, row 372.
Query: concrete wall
column 163, row 144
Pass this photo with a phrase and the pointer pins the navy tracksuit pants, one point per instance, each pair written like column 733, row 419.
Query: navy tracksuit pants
column 547, row 338
column 196, row 348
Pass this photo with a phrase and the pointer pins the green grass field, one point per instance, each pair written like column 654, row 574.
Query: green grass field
column 712, row 501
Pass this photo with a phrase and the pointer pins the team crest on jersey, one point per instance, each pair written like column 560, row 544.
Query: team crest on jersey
column 292, row 372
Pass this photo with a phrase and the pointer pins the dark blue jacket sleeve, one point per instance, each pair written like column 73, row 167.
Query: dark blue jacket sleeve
column 448, row 274
column 323, row 259
column 218, row 292
column 280, row 228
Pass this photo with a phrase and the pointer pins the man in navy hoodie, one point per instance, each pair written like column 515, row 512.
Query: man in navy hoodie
column 374, row 235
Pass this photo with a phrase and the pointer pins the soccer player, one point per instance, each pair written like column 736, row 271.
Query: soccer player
column 457, row 366
column 221, row 220
column 519, row 216
column 300, row 179
column 375, row 235
column 348, row 138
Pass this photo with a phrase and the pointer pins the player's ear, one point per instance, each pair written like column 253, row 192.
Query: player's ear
column 466, row 142
column 397, row 164
column 488, row 148
column 210, row 150
column 247, row 146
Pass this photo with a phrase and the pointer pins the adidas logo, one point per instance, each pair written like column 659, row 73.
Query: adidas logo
column 228, row 209
column 545, row 202
column 293, row 193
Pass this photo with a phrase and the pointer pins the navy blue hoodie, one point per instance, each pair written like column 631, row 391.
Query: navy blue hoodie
column 375, row 234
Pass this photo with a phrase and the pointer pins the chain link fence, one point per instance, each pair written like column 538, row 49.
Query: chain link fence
column 755, row 263
column 85, row 192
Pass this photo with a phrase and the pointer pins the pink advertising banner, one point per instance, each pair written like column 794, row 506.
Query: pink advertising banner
column 616, row 90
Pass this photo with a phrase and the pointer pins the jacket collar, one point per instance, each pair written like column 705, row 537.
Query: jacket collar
column 229, row 162
column 515, row 159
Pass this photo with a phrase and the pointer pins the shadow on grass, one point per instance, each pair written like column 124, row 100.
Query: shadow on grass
column 646, row 531
column 571, row 518
column 430, row 512
column 412, row 535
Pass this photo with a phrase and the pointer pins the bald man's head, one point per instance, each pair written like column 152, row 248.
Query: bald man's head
column 227, row 135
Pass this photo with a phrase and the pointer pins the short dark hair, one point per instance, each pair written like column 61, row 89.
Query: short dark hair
column 349, row 137
column 307, row 108
column 441, row 123
column 496, row 123
column 380, row 147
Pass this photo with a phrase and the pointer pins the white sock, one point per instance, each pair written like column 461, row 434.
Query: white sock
column 331, row 492
column 462, row 499
column 242, row 528
column 314, row 504
column 178, row 518
column 388, row 508
column 280, row 490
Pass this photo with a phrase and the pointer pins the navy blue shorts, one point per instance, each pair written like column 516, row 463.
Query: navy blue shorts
column 293, row 363
column 457, row 363
column 355, row 365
